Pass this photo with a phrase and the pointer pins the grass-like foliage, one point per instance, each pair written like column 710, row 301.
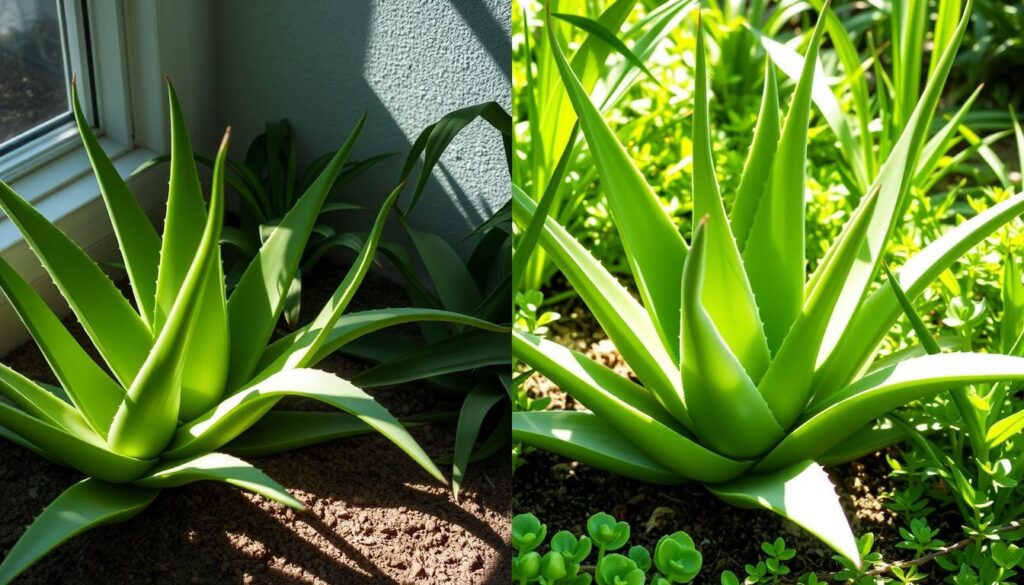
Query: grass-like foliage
column 750, row 371
column 188, row 369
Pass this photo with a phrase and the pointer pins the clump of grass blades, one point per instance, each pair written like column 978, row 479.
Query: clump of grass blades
column 192, row 377
column 751, row 373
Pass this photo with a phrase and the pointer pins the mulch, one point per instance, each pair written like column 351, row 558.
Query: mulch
column 374, row 516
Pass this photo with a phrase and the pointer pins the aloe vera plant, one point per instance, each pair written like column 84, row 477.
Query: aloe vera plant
column 191, row 376
column 750, row 372
column 268, row 183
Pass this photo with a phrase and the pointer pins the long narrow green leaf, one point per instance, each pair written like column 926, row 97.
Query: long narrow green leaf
column 831, row 420
column 596, row 30
column 625, row 321
column 136, row 237
column 455, row 285
column 92, row 391
column 218, row 467
column 117, row 331
column 654, row 248
column 355, row 325
column 893, row 183
column 527, row 241
column 309, row 342
column 36, row 401
column 714, row 380
column 475, row 408
column 881, row 309
column 83, row 506
column 758, row 165
column 146, row 419
column 1012, row 323
column 258, row 299
column 587, row 438
column 774, row 253
column 616, row 403
column 725, row 292
column 788, row 384
column 238, row 412
column 434, row 140
column 284, row 430
column 183, row 231
column 464, row 351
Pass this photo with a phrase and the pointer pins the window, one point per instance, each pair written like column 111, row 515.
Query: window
column 43, row 43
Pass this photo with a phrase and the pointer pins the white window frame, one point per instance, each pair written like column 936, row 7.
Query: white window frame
column 134, row 45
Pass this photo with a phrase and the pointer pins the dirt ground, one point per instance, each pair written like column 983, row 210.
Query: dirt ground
column 563, row 493
column 373, row 515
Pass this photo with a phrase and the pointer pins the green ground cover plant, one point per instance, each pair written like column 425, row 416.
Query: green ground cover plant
column 188, row 373
column 785, row 353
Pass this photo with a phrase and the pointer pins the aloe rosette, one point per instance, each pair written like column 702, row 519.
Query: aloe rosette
column 750, row 373
column 191, row 375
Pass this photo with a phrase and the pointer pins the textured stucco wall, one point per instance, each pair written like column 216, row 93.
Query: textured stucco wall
column 320, row 63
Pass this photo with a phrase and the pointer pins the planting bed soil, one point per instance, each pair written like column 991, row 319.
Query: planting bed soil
column 563, row 493
column 373, row 515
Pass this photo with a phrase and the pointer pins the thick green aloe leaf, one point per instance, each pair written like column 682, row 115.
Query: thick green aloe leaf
column 38, row 402
column 871, row 438
column 85, row 505
column 653, row 246
column 92, row 391
column 587, row 438
column 478, row 403
column 618, row 404
column 892, row 182
column 258, row 299
column 285, row 430
column 183, row 230
column 758, row 165
column 774, row 252
column 186, row 214
column 148, row 415
column 218, row 467
column 136, row 237
column 802, row 493
column 91, row 457
column 788, row 384
column 240, row 411
column 729, row 413
column 725, row 292
column 468, row 350
column 624, row 320
column 308, row 343
column 118, row 333
column 355, row 325
column 880, row 310
column 792, row 64
column 832, row 419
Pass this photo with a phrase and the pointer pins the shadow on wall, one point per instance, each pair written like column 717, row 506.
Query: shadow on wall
column 405, row 63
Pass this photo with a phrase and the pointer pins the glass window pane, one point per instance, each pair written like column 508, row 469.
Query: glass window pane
column 33, row 73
